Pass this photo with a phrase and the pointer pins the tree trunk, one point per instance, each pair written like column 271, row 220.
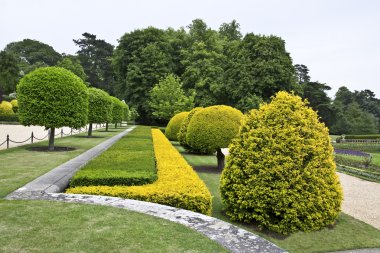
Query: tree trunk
column 51, row 139
column 115, row 125
column 106, row 126
column 90, row 130
column 221, row 159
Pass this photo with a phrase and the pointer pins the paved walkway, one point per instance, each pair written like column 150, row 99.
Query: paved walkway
column 361, row 199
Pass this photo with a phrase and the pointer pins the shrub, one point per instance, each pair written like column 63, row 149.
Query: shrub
column 177, row 184
column 100, row 107
column 280, row 171
column 181, row 136
column 132, row 163
column 14, row 105
column 6, row 108
column 213, row 128
column 117, row 111
column 174, row 125
column 126, row 112
column 52, row 97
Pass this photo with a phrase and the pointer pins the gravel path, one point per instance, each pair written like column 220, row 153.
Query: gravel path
column 361, row 199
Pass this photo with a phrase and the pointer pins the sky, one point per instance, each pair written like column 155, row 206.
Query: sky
column 338, row 40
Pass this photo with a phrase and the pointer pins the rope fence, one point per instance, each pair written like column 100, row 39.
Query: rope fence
column 61, row 133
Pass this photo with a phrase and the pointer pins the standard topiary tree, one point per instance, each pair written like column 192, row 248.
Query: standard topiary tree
column 14, row 105
column 52, row 97
column 126, row 112
column 99, row 109
column 174, row 125
column 280, row 171
column 181, row 136
column 117, row 111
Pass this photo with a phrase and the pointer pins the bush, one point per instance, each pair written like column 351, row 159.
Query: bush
column 132, row 163
column 6, row 109
column 100, row 106
column 181, row 136
column 14, row 105
column 177, row 184
column 9, row 118
column 117, row 110
column 280, row 171
column 213, row 128
column 174, row 125
column 363, row 137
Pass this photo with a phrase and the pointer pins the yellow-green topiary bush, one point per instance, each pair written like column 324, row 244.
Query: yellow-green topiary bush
column 174, row 125
column 177, row 184
column 14, row 105
column 6, row 108
column 280, row 171
column 213, row 128
column 181, row 136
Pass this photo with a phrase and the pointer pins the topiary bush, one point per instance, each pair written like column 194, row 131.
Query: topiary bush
column 100, row 107
column 280, row 171
column 181, row 136
column 52, row 97
column 14, row 105
column 117, row 111
column 174, row 125
column 6, row 108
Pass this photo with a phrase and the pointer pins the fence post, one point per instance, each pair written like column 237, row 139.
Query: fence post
column 7, row 141
column 61, row 132
column 32, row 137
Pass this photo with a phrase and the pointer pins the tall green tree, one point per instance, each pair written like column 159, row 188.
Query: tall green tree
column 95, row 55
column 167, row 98
column 231, row 31
column 302, row 74
column 73, row 64
column 9, row 73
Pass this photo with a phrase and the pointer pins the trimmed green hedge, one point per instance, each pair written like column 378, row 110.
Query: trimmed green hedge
column 9, row 118
column 364, row 137
column 371, row 176
column 130, row 161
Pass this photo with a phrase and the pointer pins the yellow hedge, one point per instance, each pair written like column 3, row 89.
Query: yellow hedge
column 177, row 184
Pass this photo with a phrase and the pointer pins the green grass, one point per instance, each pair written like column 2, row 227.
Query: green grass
column 20, row 165
column 130, row 161
column 348, row 233
column 43, row 226
column 375, row 158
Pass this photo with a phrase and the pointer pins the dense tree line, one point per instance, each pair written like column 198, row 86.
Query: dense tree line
column 209, row 67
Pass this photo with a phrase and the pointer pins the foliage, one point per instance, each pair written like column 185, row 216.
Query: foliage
column 73, row 64
column 52, row 97
column 133, row 113
column 9, row 117
column 302, row 74
column 363, row 137
column 14, row 105
column 212, row 128
column 6, row 108
column 95, row 57
column 280, row 171
column 181, row 136
column 126, row 111
column 167, row 98
column 100, row 106
column 177, row 184
column 132, row 163
column 9, row 73
column 117, row 110
column 174, row 125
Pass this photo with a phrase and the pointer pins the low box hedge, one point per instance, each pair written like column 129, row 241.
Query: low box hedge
column 130, row 161
column 177, row 184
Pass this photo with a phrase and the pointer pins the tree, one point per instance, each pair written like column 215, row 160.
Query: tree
column 32, row 54
column 9, row 73
column 95, row 55
column 167, row 98
column 213, row 128
column 52, row 97
column 99, row 109
column 302, row 74
column 280, row 171
column 117, row 111
column 231, row 31
column 73, row 64
column 361, row 122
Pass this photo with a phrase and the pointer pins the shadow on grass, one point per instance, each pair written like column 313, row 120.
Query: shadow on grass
column 46, row 149
column 89, row 136
column 208, row 169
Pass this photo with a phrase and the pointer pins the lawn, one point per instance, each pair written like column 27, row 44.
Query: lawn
column 348, row 233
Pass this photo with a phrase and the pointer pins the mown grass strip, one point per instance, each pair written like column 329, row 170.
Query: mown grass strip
column 177, row 184
column 130, row 161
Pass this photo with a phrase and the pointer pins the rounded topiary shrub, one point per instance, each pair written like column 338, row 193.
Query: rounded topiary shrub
column 6, row 108
column 52, row 97
column 117, row 111
column 181, row 136
column 174, row 125
column 213, row 128
column 280, row 171
column 99, row 108
column 14, row 105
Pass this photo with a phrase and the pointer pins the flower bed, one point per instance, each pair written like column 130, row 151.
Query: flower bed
column 350, row 152
column 177, row 184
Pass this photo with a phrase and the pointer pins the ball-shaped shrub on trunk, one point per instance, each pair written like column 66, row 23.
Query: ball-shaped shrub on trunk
column 100, row 107
column 212, row 129
column 52, row 97
column 117, row 111
column 181, row 136
column 280, row 171
column 174, row 125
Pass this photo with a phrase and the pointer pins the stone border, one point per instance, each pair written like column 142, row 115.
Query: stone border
column 48, row 186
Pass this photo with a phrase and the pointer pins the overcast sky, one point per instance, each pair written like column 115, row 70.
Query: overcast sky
column 337, row 39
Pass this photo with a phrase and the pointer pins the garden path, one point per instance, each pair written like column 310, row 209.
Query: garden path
column 361, row 199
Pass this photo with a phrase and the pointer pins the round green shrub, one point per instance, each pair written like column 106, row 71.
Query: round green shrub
column 181, row 136
column 174, row 125
column 280, row 171
column 6, row 108
column 117, row 110
column 14, row 105
column 213, row 128
column 52, row 97
column 126, row 112
column 100, row 106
